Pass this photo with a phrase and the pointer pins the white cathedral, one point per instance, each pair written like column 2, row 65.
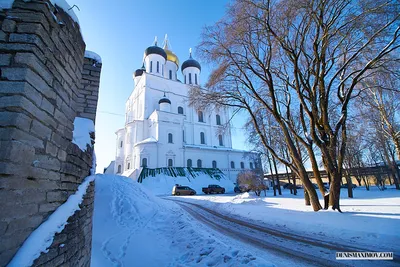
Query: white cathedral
column 161, row 130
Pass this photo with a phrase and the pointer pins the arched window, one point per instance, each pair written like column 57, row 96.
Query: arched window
column 170, row 74
column 221, row 142
column 183, row 136
column 120, row 144
column 190, row 78
column 170, row 138
column 129, row 165
column 232, row 164
column 218, row 119
column 199, row 163
column 195, row 78
column 185, row 78
column 189, row 163
column 214, row 164
column 158, row 67
column 202, row 138
column 119, row 169
column 170, row 163
column 151, row 66
column 251, row 165
column 180, row 110
column 242, row 165
column 144, row 162
column 200, row 115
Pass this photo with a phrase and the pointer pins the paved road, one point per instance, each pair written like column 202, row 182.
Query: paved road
column 301, row 249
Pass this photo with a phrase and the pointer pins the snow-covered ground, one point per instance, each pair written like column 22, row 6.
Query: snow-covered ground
column 162, row 184
column 370, row 219
column 132, row 227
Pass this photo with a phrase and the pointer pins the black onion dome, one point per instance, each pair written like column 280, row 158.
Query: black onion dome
column 155, row 50
column 164, row 100
column 191, row 63
column 138, row 72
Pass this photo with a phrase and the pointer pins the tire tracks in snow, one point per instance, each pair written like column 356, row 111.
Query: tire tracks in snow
column 277, row 241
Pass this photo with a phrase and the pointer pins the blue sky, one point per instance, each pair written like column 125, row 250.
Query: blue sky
column 119, row 31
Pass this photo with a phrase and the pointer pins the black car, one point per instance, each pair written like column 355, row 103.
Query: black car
column 291, row 186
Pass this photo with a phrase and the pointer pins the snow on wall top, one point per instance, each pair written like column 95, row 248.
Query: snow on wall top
column 40, row 239
column 7, row 4
column 93, row 55
column 81, row 134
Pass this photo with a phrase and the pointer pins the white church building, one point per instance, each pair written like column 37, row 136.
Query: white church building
column 162, row 130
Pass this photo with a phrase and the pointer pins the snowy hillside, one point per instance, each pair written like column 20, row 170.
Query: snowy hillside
column 161, row 184
column 134, row 228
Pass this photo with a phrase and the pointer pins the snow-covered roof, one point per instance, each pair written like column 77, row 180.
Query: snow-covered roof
column 148, row 140
column 93, row 55
column 7, row 4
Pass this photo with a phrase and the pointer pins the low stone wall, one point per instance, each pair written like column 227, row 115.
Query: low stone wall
column 43, row 87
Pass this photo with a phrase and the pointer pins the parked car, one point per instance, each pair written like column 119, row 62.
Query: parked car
column 213, row 189
column 178, row 190
column 240, row 189
column 345, row 186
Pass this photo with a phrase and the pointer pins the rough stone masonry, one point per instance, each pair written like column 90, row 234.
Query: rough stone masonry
column 45, row 82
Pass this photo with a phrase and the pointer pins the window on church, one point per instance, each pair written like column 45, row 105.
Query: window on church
column 195, row 78
column 242, row 165
column 218, row 119
column 170, row 138
column 183, row 136
column 251, row 165
column 158, row 67
column 190, row 78
column 232, row 164
column 221, row 143
column 144, row 162
column 185, row 79
column 119, row 169
column 129, row 165
column 151, row 66
column 180, row 110
column 120, row 144
column 202, row 138
column 170, row 74
column 170, row 163
column 189, row 163
column 200, row 115
column 214, row 164
column 199, row 163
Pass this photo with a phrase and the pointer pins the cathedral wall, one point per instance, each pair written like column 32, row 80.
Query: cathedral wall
column 41, row 65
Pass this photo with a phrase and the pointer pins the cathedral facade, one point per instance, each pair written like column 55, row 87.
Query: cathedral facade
column 162, row 130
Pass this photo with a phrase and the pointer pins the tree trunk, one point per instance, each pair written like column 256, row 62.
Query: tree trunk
column 334, row 194
column 392, row 167
column 288, row 179
column 272, row 173
column 306, row 198
column 316, row 172
column 278, row 184
column 294, row 185
column 349, row 184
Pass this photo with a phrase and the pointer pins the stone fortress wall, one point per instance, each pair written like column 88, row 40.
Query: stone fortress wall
column 45, row 82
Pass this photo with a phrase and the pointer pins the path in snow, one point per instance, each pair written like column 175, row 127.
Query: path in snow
column 132, row 227
column 301, row 249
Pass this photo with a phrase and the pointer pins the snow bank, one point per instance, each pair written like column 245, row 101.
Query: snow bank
column 132, row 227
column 162, row 184
column 40, row 239
column 81, row 134
column 371, row 218
column 93, row 55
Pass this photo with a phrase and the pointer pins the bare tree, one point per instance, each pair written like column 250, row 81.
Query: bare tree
column 253, row 180
column 300, row 57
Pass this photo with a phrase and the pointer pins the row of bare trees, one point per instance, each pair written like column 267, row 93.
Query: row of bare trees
column 304, row 71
